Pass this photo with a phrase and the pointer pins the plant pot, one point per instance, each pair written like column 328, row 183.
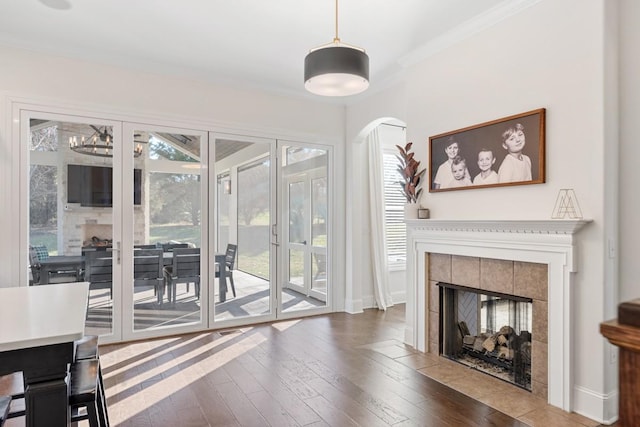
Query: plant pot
column 410, row 211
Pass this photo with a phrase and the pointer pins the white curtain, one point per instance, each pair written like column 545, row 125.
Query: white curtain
column 376, row 204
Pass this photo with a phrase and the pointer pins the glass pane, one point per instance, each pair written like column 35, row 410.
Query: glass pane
column 296, row 267
column 70, row 210
column 224, row 213
column 300, row 154
column 254, row 219
column 296, row 212
column 167, row 227
column 319, row 209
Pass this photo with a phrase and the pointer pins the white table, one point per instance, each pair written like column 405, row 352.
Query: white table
column 38, row 325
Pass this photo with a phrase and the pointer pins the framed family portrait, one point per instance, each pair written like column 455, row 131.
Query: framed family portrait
column 502, row 152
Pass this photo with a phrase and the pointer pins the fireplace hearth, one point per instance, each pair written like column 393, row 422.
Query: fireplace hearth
column 531, row 258
column 487, row 331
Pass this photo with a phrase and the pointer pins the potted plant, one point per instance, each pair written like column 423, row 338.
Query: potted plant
column 408, row 168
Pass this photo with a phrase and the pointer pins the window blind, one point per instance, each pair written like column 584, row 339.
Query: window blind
column 395, row 228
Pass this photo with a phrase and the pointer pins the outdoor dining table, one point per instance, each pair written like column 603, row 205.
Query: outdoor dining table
column 220, row 259
column 38, row 327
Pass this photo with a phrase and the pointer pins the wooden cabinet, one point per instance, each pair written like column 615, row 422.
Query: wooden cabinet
column 627, row 338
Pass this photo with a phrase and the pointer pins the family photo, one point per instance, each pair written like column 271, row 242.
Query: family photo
column 507, row 151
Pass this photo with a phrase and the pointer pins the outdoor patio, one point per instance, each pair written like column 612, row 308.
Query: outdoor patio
column 252, row 299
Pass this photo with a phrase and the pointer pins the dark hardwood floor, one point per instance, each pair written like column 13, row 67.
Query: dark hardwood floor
column 319, row 371
column 333, row 370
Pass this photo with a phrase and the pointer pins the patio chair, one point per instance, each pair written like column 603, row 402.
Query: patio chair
column 99, row 270
column 136, row 247
column 169, row 247
column 230, row 262
column 147, row 270
column 184, row 269
column 39, row 253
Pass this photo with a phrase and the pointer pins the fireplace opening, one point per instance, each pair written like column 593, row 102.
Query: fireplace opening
column 487, row 331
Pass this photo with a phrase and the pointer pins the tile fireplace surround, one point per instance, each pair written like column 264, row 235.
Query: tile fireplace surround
column 549, row 243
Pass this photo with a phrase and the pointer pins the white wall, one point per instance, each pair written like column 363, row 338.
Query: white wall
column 629, row 149
column 121, row 94
column 550, row 55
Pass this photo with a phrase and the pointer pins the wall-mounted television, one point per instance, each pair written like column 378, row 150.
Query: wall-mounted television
column 93, row 185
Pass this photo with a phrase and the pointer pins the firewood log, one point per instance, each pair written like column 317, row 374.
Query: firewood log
column 477, row 344
column 464, row 329
column 469, row 340
column 490, row 343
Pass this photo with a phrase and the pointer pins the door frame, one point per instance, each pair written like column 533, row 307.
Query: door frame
column 283, row 231
column 213, row 218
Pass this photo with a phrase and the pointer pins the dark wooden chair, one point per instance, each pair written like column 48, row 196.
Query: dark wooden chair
column 230, row 262
column 86, row 348
column 147, row 270
column 86, row 392
column 87, row 386
column 99, row 270
column 184, row 269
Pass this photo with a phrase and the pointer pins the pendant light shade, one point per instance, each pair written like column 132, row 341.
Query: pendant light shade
column 336, row 69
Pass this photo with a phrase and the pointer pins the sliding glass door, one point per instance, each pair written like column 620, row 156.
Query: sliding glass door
column 272, row 206
column 245, row 218
column 165, row 286
column 73, row 193
column 305, row 199
column 173, row 234
column 112, row 203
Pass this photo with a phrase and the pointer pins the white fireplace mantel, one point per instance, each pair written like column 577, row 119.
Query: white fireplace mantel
column 550, row 242
column 500, row 226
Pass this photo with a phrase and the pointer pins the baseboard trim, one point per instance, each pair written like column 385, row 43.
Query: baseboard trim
column 408, row 336
column 597, row 406
column 369, row 302
column 399, row 297
column 353, row 306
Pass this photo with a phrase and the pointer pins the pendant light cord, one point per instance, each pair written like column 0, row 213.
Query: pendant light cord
column 336, row 39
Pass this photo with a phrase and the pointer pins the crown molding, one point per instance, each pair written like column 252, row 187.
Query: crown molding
column 467, row 29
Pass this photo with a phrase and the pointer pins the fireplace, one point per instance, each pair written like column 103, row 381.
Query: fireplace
column 544, row 248
column 487, row 331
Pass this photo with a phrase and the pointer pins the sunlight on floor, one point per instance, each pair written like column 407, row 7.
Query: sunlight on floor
column 283, row 326
column 190, row 367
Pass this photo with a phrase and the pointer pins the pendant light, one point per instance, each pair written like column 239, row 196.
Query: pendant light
column 336, row 69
